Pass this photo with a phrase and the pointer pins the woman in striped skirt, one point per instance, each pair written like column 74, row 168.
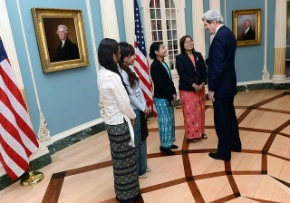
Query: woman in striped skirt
column 119, row 119
column 138, row 104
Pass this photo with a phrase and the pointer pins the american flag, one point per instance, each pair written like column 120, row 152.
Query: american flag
column 141, row 63
column 17, row 138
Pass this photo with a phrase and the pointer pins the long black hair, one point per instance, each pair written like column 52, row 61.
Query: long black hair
column 128, row 50
column 106, row 51
column 107, row 48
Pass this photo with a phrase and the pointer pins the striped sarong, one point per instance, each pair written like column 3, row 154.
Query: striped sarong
column 126, row 181
column 140, row 145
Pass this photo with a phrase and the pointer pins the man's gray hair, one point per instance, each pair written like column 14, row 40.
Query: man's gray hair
column 63, row 27
column 212, row 15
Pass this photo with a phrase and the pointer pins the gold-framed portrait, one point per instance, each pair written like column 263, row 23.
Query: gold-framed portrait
column 247, row 26
column 61, row 38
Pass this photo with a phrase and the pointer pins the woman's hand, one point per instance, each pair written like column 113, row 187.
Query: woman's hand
column 202, row 86
column 196, row 87
column 147, row 111
column 133, row 121
column 174, row 96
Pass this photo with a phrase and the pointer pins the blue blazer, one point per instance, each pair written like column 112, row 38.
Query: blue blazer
column 187, row 73
column 222, row 77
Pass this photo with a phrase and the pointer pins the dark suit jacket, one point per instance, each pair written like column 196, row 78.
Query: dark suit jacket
column 69, row 51
column 221, row 64
column 187, row 74
column 163, row 84
column 250, row 35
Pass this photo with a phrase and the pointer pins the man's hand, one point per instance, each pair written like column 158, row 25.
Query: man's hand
column 211, row 96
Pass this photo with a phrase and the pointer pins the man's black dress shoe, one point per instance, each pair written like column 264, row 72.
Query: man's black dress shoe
column 167, row 151
column 174, row 147
column 216, row 156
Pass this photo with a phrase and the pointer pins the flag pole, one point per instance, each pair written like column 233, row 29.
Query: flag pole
column 31, row 178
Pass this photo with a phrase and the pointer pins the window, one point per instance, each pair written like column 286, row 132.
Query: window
column 164, row 27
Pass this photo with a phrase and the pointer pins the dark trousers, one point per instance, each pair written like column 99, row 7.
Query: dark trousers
column 226, row 126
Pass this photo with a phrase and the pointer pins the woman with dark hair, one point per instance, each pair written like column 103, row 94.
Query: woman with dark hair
column 192, row 77
column 164, row 97
column 138, row 104
column 119, row 118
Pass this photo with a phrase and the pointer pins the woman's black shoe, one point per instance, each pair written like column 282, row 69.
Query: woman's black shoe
column 192, row 140
column 204, row 136
column 174, row 147
column 167, row 151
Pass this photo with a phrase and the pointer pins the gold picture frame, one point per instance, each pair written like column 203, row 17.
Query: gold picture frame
column 46, row 21
column 241, row 20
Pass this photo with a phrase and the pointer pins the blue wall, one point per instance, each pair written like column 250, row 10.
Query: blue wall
column 70, row 98
column 249, row 59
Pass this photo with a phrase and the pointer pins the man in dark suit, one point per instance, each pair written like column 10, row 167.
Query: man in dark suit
column 248, row 34
column 222, row 84
column 67, row 50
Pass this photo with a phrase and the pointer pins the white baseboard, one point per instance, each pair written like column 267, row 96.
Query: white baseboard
column 72, row 131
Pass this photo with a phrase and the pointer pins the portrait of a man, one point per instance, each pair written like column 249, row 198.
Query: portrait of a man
column 61, row 39
column 249, row 33
column 67, row 50
column 246, row 27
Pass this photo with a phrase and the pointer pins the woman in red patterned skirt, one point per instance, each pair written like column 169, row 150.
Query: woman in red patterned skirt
column 192, row 77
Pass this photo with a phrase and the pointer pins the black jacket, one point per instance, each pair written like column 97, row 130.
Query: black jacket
column 250, row 35
column 187, row 73
column 163, row 84
column 69, row 51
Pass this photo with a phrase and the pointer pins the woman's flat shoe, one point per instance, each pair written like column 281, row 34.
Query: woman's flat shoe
column 174, row 147
column 143, row 176
column 167, row 151
column 204, row 136
column 192, row 140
